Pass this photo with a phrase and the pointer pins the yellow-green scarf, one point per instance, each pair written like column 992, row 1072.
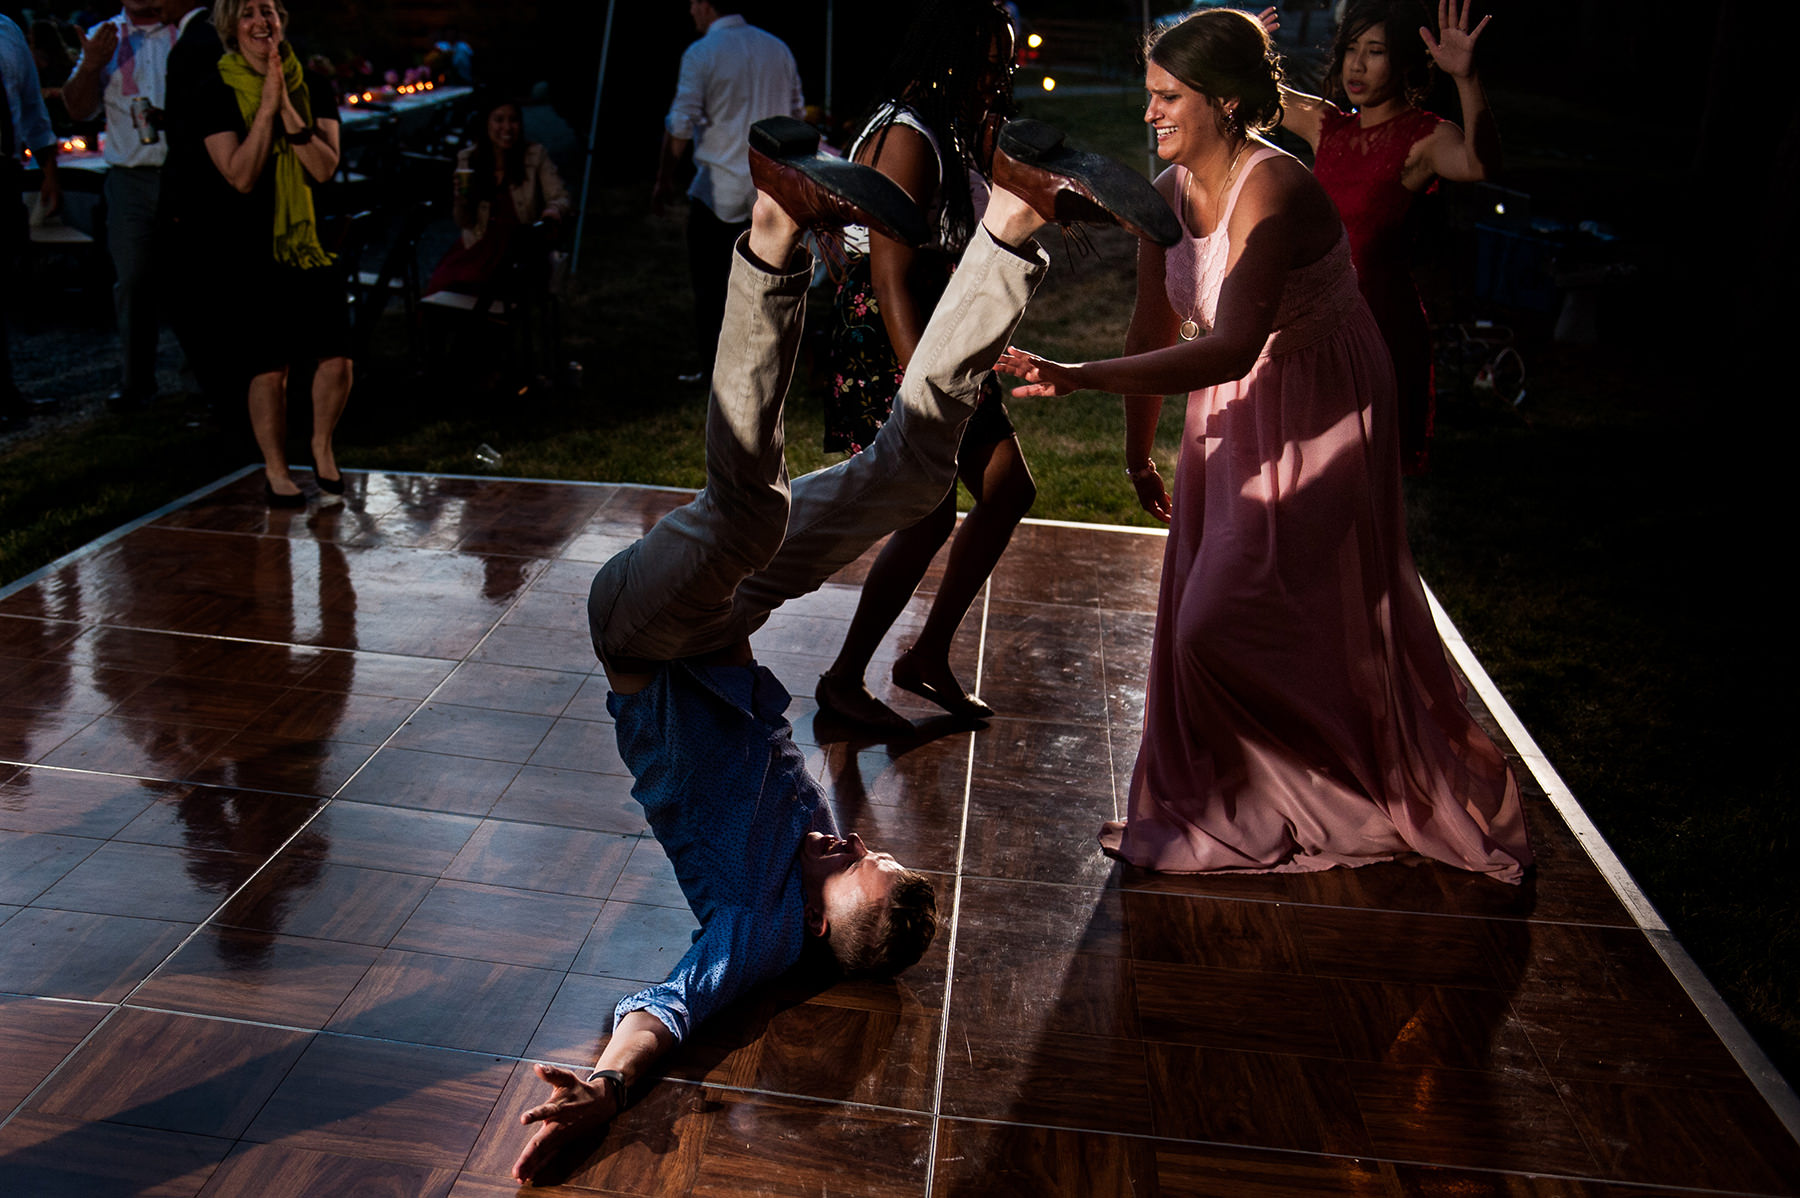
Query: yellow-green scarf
column 296, row 231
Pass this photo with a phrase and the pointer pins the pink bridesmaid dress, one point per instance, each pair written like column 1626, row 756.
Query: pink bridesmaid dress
column 1300, row 712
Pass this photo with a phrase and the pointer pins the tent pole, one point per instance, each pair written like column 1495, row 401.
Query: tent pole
column 587, row 168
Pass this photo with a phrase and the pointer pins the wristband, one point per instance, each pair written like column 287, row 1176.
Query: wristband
column 1142, row 472
column 615, row 1085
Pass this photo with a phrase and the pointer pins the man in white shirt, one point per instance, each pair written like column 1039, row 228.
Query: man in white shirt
column 122, row 69
column 732, row 77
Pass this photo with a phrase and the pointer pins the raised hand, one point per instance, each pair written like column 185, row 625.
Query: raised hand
column 1040, row 376
column 1454, row 48
column 98, row 50
column 575, row 1110
column 1269, row 19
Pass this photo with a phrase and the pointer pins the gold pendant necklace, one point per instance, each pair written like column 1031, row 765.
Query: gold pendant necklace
column 1190, row 328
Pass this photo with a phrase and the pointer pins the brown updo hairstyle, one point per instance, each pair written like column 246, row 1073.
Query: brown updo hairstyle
column 1408, row 62
column 1224, row 54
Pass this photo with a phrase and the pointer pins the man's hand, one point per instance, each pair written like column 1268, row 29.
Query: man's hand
column 575, row 1111
column 97, row 51
column 50, row 186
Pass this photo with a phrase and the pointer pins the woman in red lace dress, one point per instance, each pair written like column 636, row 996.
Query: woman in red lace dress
column 1379, row 150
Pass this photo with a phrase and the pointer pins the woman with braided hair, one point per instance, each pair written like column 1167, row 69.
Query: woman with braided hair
column 950, row 75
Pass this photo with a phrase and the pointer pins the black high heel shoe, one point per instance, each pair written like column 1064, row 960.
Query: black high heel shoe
column 276, row 499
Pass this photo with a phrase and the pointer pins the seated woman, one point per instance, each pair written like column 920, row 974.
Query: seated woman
column 500, row 165
column 271, row 130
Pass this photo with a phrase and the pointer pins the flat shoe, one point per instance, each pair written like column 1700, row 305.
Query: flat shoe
column 1069, row 186
column 963, row 706
column 822, row 192
column 857, row 706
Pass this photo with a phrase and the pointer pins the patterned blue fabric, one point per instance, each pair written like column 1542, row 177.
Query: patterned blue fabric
column 729, row 798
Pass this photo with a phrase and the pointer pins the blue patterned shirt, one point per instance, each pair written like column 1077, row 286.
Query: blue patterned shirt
column 729, row 798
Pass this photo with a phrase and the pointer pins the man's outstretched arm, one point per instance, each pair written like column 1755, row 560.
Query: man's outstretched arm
column 579, row 1110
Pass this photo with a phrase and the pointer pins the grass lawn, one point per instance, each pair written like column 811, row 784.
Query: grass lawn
column 1593, row 567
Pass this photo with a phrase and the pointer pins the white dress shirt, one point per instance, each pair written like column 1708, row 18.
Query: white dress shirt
column 139, row 67
column 731, row 78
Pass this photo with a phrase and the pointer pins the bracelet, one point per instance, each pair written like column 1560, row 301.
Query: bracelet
column 1142, row 472
column 301, row 138
column 615, row 1086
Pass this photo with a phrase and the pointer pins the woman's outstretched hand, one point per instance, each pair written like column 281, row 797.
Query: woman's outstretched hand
column 1041, row 376
column 1454, row 48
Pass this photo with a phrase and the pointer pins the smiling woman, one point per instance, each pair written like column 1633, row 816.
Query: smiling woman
column 1300, row 712
column 271, row 131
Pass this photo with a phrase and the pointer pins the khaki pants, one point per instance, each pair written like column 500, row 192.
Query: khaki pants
column 709, row 574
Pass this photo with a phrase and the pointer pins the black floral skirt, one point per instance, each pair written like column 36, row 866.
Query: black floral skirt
column 864, row 375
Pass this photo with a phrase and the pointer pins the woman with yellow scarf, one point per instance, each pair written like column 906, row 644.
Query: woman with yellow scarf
column 272, row 132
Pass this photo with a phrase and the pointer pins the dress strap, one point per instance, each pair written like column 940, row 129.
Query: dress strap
column 1262, row 154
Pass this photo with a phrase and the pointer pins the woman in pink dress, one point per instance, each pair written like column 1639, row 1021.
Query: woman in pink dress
column 1381, row 150
column 1300, row 712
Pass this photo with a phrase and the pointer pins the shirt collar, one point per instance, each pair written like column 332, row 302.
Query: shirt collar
column 728, row 21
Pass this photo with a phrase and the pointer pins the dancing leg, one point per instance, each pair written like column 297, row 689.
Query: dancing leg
column 268, row 421
column 839, row 512
column 669, row 595
column 1004, row 491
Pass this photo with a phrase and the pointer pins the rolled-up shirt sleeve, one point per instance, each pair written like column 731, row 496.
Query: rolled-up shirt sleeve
column 687, row 115
column 736, row 952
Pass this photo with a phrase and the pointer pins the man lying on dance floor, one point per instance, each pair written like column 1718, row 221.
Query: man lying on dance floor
column 727, row 794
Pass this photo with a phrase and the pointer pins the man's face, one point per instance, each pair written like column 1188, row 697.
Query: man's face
column 841, row 876
column 703, row 14
column 144, row 12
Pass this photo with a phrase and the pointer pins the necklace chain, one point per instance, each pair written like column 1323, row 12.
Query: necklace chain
column 1190, row 327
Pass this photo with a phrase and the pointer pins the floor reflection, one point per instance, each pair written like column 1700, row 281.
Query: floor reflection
column 313, row 834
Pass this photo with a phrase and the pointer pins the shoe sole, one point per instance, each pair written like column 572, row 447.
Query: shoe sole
column 887, row 208
column 1118, row 193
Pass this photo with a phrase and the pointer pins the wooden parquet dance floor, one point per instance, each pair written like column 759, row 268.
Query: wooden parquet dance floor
column 313, row 835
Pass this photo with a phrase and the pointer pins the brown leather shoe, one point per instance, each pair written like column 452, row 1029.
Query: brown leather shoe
column 822, row 192
column 1070, row 186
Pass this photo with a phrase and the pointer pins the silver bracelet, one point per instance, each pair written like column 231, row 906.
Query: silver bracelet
column 1142, row 472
